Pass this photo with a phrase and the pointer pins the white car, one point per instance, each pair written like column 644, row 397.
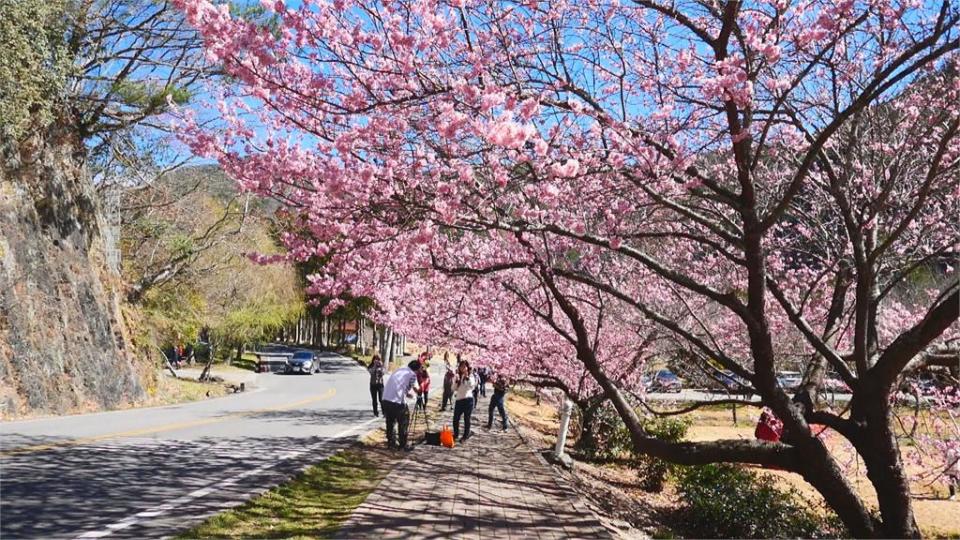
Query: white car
column 789, row 380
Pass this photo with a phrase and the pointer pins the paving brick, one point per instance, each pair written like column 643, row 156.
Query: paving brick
column 493, row 486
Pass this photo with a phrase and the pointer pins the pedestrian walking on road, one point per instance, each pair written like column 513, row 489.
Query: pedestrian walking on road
column 464, row 388
column 376, row 383
column 497, row 402
column 400, row 385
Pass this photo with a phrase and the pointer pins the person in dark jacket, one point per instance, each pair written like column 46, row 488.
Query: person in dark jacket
column 483, row 374
column 448, row 379
column 497, row 402
column 376, row 383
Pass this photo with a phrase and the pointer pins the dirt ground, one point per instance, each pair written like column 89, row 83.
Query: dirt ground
column 613, row 490
column 610, row 490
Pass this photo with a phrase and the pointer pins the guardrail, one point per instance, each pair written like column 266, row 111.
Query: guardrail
column 272, row 362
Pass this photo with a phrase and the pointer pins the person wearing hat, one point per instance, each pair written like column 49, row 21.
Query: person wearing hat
column 401, row 384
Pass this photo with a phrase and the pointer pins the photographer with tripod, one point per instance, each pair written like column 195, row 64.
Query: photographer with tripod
column 399, row 386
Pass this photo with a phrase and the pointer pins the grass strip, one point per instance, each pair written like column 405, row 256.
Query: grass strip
column 314, row 504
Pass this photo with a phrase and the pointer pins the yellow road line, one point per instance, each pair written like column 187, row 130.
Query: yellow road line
column 162, row 428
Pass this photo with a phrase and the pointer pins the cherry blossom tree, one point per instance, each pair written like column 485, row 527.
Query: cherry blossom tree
column 766, row 182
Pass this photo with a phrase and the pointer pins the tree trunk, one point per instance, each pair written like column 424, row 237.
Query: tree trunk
column 588, row 409
column 166, row 362
column 817, row 466
column 360, row 335
column 881, row 455
column 390, row 347
column 205, row 374
column 321, row 330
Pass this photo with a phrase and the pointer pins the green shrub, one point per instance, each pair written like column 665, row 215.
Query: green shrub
column 729, row 501
column 653, row 471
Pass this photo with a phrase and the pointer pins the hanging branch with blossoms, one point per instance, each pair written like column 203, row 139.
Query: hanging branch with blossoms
column 768, row 183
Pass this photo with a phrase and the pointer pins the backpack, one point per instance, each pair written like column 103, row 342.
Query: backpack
column 446, row 437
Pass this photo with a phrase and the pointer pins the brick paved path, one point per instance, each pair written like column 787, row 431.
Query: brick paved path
column 493, row 486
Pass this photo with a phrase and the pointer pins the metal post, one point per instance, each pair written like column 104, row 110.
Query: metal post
column 565, row 412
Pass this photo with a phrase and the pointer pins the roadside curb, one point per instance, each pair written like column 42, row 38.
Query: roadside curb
column 249, row 390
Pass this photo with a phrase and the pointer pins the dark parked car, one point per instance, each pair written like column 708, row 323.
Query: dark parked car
column 665, row 381
column 303, row 362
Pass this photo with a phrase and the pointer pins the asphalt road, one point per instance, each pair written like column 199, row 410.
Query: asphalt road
column 147, row 473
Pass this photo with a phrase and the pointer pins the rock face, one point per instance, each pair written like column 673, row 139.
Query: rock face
column 63, row 343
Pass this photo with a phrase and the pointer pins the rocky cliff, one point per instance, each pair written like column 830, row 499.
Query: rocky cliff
column 63, row 343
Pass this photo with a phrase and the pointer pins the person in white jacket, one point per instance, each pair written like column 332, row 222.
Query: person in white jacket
column 463, row 393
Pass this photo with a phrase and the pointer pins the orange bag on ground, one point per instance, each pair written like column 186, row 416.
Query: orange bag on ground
column 446, row 437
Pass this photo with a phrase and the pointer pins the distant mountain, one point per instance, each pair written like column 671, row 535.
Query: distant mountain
column 211, row 179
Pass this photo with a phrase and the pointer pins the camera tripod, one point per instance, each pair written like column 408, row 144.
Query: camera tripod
column 420, row 417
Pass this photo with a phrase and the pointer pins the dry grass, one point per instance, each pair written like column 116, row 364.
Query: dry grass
column 937, row 517
column 170, row 391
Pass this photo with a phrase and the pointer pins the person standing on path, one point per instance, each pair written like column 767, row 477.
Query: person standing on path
column 476, row 389
column 482, row 374
column 464, row 387
column 399, row 386
column 376, row 382
column 448, row 379
column 423, row 379
column 497, row 402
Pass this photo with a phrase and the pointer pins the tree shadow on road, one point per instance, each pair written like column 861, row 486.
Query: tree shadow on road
column 68, row 490
column 312, row 505
column 309, row 417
